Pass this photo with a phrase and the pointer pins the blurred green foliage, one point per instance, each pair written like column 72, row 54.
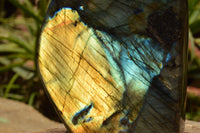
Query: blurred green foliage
column 193, row 108
column 193, row 102
column 18, row 37
column 194, row 39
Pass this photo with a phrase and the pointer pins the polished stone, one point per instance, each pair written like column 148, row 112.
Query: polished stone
column 116, row 66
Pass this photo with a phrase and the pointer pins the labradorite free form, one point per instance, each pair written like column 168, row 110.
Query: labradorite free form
column 116, row 66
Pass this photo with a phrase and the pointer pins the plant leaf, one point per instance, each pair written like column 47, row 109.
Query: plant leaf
column 8, row 88
column 18, row 42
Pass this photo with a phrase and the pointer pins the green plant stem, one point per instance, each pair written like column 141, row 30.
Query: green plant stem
column 10, row 84
column 31, row 98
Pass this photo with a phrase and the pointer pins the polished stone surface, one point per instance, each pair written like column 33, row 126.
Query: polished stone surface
column 116, row 66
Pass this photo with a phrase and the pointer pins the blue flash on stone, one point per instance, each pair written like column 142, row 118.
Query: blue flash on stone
column 133, row 60
column 67, row 8
column 79, row 117
column 107, row 64
column 81, row 8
